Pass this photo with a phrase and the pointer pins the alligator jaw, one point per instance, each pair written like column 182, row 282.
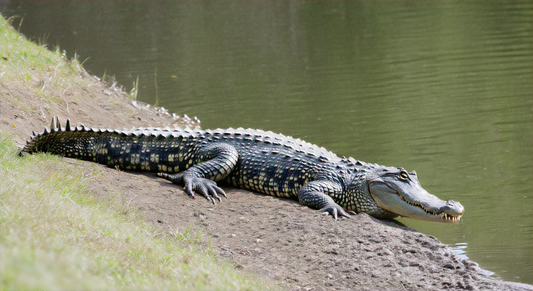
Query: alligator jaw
column 416, row 203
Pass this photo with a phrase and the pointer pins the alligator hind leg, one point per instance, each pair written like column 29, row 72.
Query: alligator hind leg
column 211, row 163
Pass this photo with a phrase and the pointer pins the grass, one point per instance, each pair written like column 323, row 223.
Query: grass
column 30, row 71
column 134, row 91
column 55, row 235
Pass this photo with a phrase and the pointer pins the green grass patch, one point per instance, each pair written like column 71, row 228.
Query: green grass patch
column 54, row 235
column 32, row 71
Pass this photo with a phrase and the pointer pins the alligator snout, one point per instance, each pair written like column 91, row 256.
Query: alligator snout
column 453, row 207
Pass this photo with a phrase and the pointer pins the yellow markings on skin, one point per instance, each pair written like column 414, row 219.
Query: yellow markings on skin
column 145, row 165
column 135, row 159
column 154, row 158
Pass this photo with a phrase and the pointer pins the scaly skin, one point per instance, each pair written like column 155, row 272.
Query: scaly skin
column 261, row 161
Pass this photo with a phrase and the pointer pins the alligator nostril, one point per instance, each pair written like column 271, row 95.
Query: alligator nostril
column 455, row 206
column 451, row 203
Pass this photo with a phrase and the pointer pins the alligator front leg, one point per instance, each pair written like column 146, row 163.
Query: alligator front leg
column 314, row 195
column 210, row 164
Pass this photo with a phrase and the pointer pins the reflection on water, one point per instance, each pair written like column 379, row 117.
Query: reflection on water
column 460, row 250
column 440, row 87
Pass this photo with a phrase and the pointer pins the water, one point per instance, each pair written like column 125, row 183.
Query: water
column 442, row 87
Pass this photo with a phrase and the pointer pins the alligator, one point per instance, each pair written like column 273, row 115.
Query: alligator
column 256, row 160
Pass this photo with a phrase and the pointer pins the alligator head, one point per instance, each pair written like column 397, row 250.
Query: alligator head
column 397, row 191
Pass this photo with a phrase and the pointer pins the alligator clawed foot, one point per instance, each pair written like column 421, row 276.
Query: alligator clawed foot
column 335, row 210
column 205, row 187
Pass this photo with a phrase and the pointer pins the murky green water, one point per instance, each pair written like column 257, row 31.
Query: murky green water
column 441, row 87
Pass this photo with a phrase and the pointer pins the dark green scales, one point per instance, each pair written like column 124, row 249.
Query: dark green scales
column 257, row 160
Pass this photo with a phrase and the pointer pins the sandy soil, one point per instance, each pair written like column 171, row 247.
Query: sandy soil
column 276, row 238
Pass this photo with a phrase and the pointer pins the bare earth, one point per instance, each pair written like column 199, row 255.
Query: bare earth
column 296, row 246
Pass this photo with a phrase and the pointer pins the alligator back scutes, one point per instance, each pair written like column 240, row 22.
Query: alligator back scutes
column 230, row 135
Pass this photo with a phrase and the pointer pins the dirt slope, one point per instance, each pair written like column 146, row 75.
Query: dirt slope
column 277, row 238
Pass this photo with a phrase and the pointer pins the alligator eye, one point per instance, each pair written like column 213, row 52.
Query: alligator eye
column 403, row 175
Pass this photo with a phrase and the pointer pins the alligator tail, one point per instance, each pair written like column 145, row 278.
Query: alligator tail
column 145, row 149
column 77, row 142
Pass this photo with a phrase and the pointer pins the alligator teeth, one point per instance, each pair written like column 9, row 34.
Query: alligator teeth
column 442, row 215
column 449, row 217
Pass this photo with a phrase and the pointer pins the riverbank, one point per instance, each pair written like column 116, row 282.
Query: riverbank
column 278, row 239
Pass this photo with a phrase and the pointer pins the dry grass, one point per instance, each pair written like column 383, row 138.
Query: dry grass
column 34, row 71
